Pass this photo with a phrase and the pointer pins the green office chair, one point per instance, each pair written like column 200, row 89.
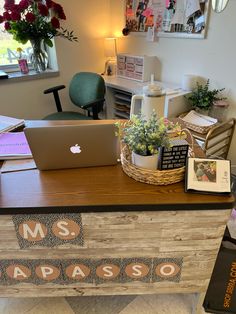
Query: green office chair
column 86, row 91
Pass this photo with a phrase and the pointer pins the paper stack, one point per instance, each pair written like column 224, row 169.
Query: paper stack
column 8, row 123
column 14, row 145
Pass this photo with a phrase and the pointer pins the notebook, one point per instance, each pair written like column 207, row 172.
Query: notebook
column 8, row 124
column 73, row 146
column 13, row 145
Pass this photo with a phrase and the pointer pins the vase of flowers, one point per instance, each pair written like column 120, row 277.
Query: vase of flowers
column 37, row 21
column 39, row 56
column 144, row 138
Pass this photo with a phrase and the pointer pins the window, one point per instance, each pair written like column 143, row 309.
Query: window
column 8, row 49
column 8, row 46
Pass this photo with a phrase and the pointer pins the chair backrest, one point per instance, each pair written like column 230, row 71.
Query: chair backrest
column 218, row 139
column 86, row 88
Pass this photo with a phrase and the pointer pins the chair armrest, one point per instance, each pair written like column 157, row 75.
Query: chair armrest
column 95, row 107
column 92, row 103
column 54, row 89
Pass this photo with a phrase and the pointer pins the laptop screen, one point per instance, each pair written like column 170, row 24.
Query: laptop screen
column 73, row 146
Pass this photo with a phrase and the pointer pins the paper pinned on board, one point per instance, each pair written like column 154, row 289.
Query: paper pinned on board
column 192, row 6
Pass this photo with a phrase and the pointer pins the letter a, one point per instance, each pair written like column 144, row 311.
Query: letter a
column 78, row 272
column 18, row 272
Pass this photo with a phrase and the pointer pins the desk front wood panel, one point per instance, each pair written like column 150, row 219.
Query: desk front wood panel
column 122, row 221
column 192, row 236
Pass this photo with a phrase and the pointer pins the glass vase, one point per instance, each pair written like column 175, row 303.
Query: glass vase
column 38, row 57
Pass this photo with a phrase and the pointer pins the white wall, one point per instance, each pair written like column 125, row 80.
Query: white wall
column 213, row 57
column 90, row 22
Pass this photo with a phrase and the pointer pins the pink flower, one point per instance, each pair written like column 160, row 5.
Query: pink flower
column 49, row 4
column 43, row 10
column 7, row 16
column 7, row 26
column 9, row 4
column 30, row 17
column 23, row 4
column 62, row 15
column 55, row 22
column 57, row 8
column 1, row 19
column 15, row 16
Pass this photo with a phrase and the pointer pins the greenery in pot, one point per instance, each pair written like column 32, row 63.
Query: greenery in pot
column 203, row 98
column 142, row 136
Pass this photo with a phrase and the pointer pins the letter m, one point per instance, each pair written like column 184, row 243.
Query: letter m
column 33, row 232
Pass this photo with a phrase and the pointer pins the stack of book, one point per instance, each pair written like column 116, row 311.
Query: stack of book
column 8, row 124
column 13, row 145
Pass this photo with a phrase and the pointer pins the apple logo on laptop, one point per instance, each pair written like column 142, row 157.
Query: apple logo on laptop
column 75, row 149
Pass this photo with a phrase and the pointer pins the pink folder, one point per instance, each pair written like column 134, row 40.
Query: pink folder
column 14, row 145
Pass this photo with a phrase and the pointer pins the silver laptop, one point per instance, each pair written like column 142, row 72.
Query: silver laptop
column 73, row 146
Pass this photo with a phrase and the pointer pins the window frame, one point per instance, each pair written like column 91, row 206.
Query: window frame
column 52, row 62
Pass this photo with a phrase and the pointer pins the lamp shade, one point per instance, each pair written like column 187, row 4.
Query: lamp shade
column 110, row 47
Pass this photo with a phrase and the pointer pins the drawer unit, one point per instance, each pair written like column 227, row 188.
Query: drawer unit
column 137, row 68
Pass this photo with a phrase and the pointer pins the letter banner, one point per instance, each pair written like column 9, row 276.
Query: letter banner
column 167, row 269
column 48, row 230
column 94, row 271
column 137, row 269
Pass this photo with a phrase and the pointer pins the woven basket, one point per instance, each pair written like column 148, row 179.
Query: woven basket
column 156, row 177
column 194, row 127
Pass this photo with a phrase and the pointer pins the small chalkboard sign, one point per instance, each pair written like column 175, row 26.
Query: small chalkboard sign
column 173, row 157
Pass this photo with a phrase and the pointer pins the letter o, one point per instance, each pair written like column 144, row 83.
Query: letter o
column 167, row 270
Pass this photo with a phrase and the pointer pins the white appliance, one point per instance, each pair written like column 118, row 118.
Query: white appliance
column 152, row 99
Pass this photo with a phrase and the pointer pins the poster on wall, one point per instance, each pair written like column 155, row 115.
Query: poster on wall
column 170, row 18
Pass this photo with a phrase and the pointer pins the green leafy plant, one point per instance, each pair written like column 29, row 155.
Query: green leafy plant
column 203, row 98
column 35, row 19
column 142, row 136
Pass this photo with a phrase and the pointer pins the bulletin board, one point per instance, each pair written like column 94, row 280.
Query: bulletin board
column 170, row 18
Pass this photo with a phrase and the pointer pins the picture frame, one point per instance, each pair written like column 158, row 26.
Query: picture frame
column 170, row 18
column 204, row 175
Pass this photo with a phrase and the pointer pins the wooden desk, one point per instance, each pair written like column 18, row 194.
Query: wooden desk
column 95, row 231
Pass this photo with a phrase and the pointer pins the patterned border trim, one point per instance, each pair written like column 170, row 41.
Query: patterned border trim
column 94, row 271
column 50, row 240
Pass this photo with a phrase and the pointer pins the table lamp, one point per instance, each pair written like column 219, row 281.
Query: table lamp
column 110, row 53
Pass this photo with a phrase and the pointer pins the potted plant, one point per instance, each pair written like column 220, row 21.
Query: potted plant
column 144, row 138
column 202, row 98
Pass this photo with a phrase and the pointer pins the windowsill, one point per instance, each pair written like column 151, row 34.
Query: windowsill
column 32, row 75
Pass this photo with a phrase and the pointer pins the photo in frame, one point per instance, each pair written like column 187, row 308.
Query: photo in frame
column 170, row 18
column 208, row 176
